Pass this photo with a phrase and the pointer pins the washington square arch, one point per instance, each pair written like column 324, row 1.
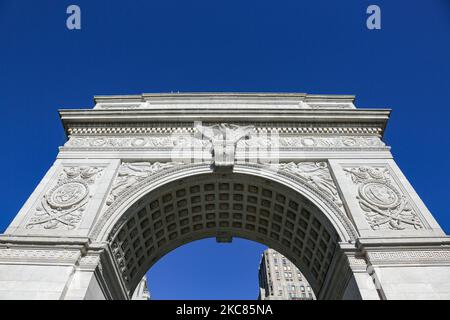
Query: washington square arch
column 307, row 175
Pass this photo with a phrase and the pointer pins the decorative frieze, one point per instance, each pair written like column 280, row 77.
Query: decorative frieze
column 409, row 256
column 331, row 142
column 135, row 142
column 90, row 262
column 355, row 261
column 261, row 140
column 63, row 205
column 383, row 203
column 28, row 255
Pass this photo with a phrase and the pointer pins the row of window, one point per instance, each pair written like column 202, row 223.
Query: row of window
column 285, row 268
column 288, row 276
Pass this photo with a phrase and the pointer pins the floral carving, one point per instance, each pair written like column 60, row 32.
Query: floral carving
column 131, row 173
column 257, row 140
column 318, row 175
column 384, row 205
column 63, row 205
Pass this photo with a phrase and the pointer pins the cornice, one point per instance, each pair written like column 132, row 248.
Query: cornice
column 7, row 240
column 306, row 120
column 329, row 115
column 403, row 242
column 219, row 95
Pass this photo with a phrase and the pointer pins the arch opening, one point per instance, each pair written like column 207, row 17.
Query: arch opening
column 205, row 270
column 223, row 207
column 244, row 269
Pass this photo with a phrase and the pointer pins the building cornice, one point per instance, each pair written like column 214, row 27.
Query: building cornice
column 220, row 95
column 324, row 117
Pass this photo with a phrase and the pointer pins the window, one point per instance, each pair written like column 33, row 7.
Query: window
column 309, row 289
column 302, row 288
column 280, row 292
column 293, row 288
column 276, row 267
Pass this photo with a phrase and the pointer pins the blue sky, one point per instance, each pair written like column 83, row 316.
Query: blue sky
column 129, row 47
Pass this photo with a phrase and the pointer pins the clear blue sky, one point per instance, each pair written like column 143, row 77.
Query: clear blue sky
column 128, row 47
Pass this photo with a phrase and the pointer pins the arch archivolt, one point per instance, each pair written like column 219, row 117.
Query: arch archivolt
column 172, row 171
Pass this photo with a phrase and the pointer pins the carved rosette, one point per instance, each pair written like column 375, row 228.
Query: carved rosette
column 385, row 207
column 63, row 205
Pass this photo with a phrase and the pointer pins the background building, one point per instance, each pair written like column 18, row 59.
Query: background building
column 141, row 292
column 279, row 279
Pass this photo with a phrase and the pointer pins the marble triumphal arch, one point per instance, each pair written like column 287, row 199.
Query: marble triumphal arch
column 307, row 175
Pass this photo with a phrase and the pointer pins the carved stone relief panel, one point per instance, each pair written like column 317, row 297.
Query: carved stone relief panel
column 256, row 140
column 331, row 142
column 104, row 142
column 384, row 204
column 131, row 173
column 63, row 205
column 317, row 174
column 224, row 138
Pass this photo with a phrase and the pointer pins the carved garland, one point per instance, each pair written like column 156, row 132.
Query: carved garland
column 306, row 142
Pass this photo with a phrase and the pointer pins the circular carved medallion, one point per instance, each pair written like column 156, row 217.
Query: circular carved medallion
column 98, row 142
column 138, row 142
column 349, row 142
column 380, row 194
column 308, row 142
column 67, row 194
